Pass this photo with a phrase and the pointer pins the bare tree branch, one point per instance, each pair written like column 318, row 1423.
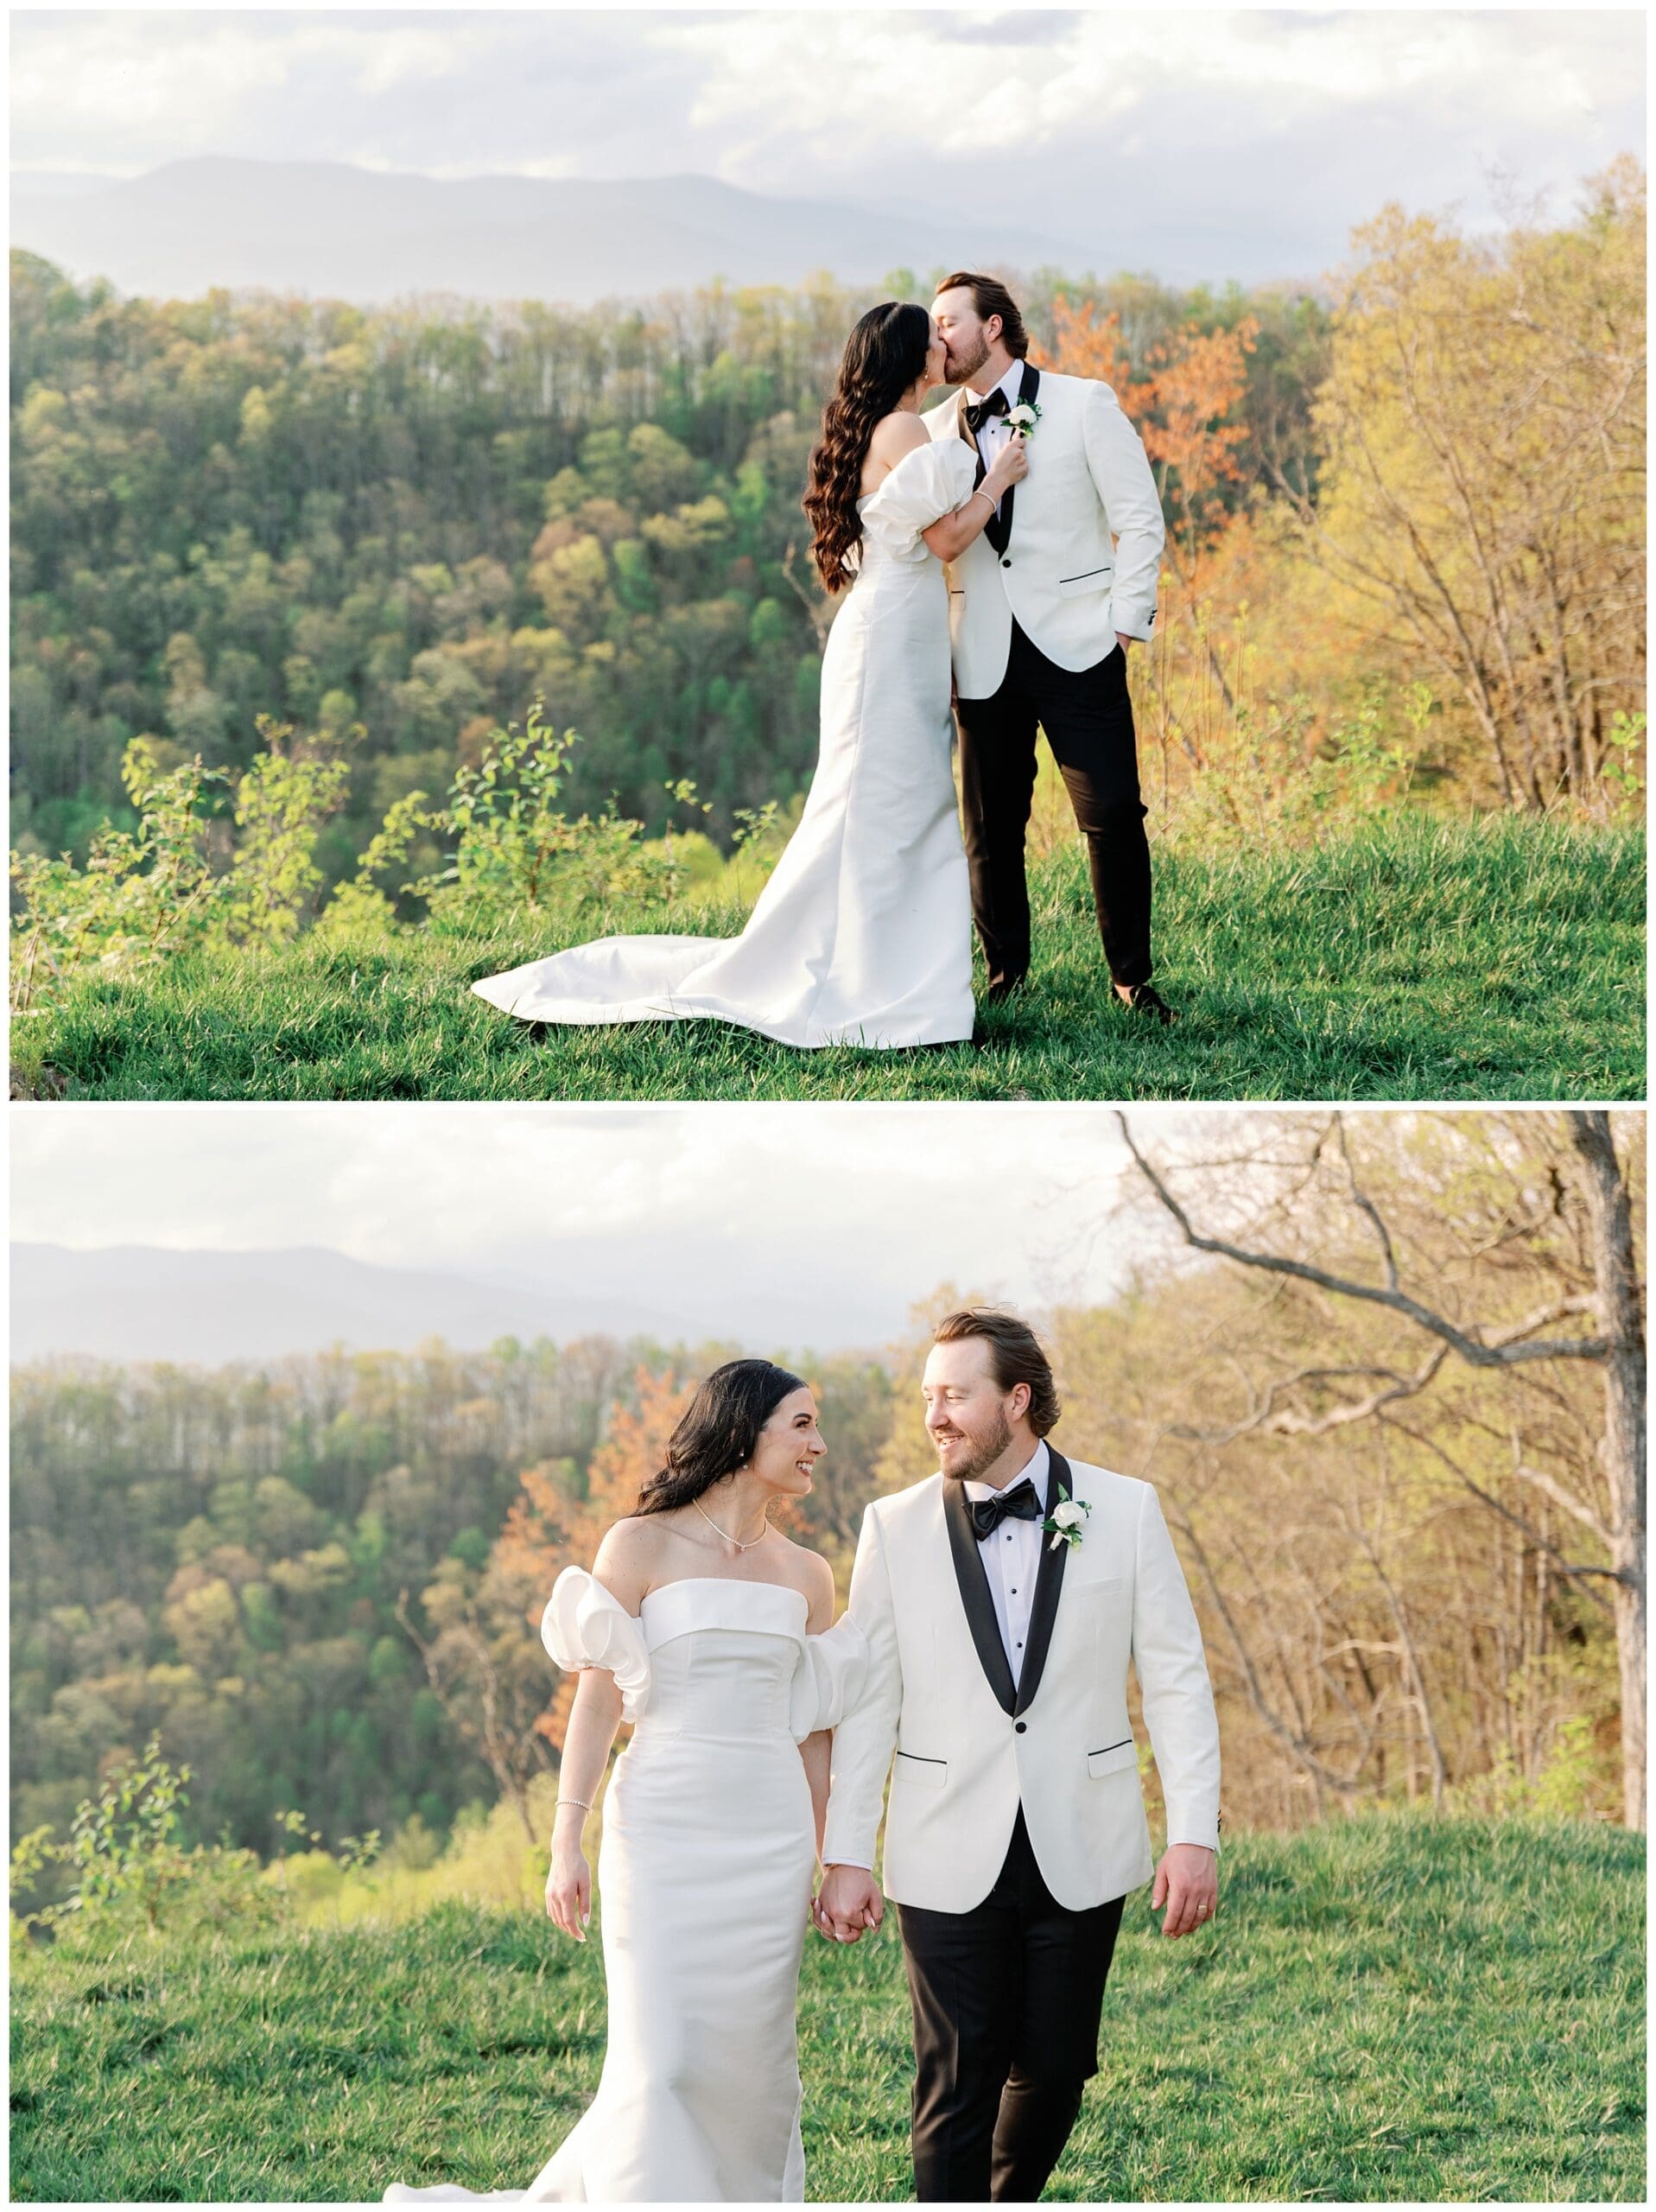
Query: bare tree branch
column 1502, row 1353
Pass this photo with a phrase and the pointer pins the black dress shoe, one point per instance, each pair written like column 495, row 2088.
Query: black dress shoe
column 1002, row 989
column 1145, row 999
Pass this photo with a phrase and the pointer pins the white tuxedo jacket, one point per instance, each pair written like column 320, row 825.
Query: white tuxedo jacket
column 969, row 1748
column 1071, row 589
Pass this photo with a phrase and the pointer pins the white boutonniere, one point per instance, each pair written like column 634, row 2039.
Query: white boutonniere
column 1067, row 1520
column 1023, row 417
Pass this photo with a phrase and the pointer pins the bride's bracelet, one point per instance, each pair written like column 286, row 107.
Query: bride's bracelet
column 980, row 494
column 584, row 1803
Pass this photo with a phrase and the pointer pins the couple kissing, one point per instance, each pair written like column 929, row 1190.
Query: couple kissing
column 998, row 554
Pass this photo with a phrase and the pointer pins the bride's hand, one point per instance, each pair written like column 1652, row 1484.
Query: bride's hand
column 569, row 1893
column 1008, row 467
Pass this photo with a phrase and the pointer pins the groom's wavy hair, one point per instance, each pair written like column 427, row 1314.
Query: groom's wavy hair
column 1015, row 1356
column 718, row 1431
column 885, row 354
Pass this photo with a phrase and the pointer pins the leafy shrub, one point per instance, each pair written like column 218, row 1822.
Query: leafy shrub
column 146, row 895
column 128, row 1873
column 513, row 849
column 142, row 896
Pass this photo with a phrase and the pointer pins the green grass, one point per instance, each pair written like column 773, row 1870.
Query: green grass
column 1383, row 2010
column 1498, row 958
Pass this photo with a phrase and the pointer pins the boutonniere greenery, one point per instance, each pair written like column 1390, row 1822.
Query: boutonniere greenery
column 1023, row 417
column 1067, row 1520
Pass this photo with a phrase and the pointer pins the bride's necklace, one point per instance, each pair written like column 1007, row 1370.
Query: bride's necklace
column 737, row 1541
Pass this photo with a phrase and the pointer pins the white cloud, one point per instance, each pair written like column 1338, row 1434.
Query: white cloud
column 1233, row 142
column 891, row 1200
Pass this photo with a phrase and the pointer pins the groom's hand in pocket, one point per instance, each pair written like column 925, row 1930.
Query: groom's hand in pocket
column 849, row 1901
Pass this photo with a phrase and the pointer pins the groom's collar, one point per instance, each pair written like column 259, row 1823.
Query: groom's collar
column 1011, row 383
column 1036, row 1470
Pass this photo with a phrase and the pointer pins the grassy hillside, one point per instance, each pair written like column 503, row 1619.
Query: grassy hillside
column 1492, row 959
column 1384, row 2010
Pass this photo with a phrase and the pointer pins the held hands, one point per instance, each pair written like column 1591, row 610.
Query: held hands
column 849, row 1901
column 1187, row 1881
column 569, row 1891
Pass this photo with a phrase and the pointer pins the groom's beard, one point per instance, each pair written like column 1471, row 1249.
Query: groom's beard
column 983, row 1451
column 956, row 371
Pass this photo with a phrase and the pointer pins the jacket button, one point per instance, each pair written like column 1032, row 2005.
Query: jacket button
column 1006, row 564
column 1020, row 1726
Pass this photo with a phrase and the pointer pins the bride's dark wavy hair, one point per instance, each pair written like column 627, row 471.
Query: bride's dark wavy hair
column 718, row 1431
column 883, row 356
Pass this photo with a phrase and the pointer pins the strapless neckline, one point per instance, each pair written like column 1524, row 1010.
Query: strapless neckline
column 736, row 1582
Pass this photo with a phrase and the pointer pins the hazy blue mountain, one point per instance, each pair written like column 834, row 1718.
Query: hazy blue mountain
column 136, row 1302
column 331, row 230
column 52, row 184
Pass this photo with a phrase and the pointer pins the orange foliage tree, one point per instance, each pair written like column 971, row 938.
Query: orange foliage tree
column 559, row 1517
column 1181, row 407
column 1248, row 697
column 1183, row 402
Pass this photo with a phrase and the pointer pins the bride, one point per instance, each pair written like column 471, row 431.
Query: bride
column 715, row 1636
column 863, row 934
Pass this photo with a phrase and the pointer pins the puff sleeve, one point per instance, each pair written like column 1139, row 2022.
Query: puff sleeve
column 585, row 1626
column 925, row 484
column 829, row 1680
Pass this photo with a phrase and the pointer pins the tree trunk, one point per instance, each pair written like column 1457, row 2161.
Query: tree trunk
column 1622, row 1445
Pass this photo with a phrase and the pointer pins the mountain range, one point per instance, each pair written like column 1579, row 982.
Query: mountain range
column 136, row 1302
column 203, row 1308
column 331, row 230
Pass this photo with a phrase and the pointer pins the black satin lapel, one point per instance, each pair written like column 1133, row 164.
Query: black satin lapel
column 1028, row 387
column 1049, row 1580
column 974, row 1594
column 992, row 528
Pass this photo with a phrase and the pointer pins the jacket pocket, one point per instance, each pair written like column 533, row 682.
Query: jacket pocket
column 1113, row 1757
column 931, row 1774
column 1091, row 580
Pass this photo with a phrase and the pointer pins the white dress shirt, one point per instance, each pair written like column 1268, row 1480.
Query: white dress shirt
column 1011, row 1556
column 996, row 431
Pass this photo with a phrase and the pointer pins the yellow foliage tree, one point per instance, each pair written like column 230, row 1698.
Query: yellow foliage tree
column 1479, row 520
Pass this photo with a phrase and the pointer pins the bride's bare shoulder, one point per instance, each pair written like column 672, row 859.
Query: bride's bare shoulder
column 896, row 434
column 626, row 1555
column 812, row 1576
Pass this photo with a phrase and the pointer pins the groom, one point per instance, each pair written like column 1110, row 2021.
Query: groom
column 999, row 1676
column 1041, row 609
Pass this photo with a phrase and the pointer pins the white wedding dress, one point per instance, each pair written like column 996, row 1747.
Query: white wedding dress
column 704, row 1878
column 863, row 934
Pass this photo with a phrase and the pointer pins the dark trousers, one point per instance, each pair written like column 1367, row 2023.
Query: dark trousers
column 1006, row 2000
column 1088, row 718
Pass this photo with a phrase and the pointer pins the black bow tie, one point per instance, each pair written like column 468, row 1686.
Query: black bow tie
column 979, row 411
column 1020, row 1502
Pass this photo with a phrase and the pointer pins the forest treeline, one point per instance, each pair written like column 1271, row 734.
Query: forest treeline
column 1419, row 1567
column 222, row 1556
column 1405, row 530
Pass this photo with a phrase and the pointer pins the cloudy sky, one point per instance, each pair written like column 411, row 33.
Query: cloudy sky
column 839, row 1218
column 1286, row 126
